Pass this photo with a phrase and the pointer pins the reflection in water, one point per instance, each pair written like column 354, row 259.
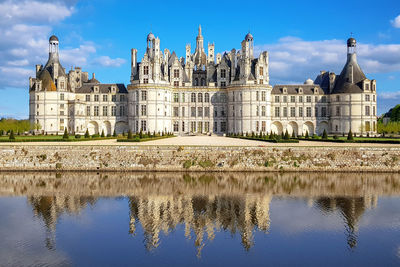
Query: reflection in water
column 203, row 204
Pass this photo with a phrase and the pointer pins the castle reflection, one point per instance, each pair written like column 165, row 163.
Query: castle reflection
column 203, row 204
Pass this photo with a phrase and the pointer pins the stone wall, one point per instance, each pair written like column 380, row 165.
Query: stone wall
column 136, row 158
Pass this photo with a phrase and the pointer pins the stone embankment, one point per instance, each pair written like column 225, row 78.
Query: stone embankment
column 191, row 158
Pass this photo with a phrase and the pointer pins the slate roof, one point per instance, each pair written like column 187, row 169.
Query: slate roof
column 293, row 89
column 344, row 83
column 87, row 88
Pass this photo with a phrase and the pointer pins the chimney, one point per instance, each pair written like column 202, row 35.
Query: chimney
column 93, row 75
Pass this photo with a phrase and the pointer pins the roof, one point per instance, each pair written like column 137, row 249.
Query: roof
column 53, row 38
column 87, row 88
column 47, row 81
column 350, row 77
column 293, row 89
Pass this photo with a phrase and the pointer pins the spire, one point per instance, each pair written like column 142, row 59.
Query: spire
column 199, row 30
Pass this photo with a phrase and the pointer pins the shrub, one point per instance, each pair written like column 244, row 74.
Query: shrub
column 293, row 134
column 286, row 136
column 65, row 135
column 114, row 133
column 77, row 136
column 324, row 135
column 12, row 137
column 95, row 136
column 350, row 136
column 335, row 137
column 102, row 133
column 87, row 135
column 306, row 136
column 130, row 134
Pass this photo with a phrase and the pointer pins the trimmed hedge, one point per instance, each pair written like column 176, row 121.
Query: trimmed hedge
column 267, row 140
column 137, row 139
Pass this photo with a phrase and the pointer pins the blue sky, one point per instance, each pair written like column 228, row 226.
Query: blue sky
column 302, row 37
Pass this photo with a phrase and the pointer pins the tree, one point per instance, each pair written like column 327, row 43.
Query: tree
column 350, row 136
column 87, row 135
column 65, row 136
column 12, row 137
column 306, row 136
column 114, row 133
column 293, row 134
column 286, row 136
column 324, row 135
column 130, row 134
column 102, row 133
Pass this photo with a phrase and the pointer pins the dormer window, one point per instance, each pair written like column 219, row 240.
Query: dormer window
column 366, row 86
column 113, row 89
column 315, row 90
column 176, row 73
column 145, row 70
column 96, row 89
column 284, row 90
column 300, row 90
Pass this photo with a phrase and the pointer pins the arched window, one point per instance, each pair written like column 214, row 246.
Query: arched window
column 206, row 97
column 193, row 97
column 200, row 97
column 203, row 82
column 196, row 82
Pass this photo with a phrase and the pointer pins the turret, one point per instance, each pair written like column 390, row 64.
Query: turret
column 133, row 63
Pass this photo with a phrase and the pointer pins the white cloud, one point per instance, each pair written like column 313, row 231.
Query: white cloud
column 294, row 59
column 396, row 22
column 106, row 61
column 390, row 95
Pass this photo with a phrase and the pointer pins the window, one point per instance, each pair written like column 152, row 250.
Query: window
column 223, row 73
column 183, row 97
column 373, row 110
column 87, row 110
column 316, row 111
column 61, row 96
column 373, row 97
column 146, row 80
column 222, row 112
column 277, row 99
column 308, row 111
column 96, row 111
column 61, row 121
column 367, row 98
column 87, row 98
column 105, row 98
column 200, row 112
column 223, row 84
column 143, row 126
column 176, row 73
column 176, row 97
column 61, row 106
column 257, row 96
column 206, row 97
column 203, row 82
column 105, row 111
column 146, row 70
column 196, row 82
column 113, row 111
column 193, row 97
column 277, row 113
column 143, row 110
column 200, row 97
column 367, row 126
column 192, row 126
column 284, row 99
column 263, row 96
column 183, row 126
column 176, row 83
column 263, row 111
column 261, row 81
column 300, row 111
column 292, row 112
column 261, row 71
column 176, row 126
column 37, row 98
column 257, row 126
column 193, row 111
column 308, row 99
column 176, row 111
column 96, row 98
column 206, row 126
column 367, row 111
column 337, row 98
column 292, row 98
column 207, row 112
column 215, row 126
column 263, row 124
column 323, row 99
column 300, row 98
column 61, row 85
column 367, row 86
column 323, row 111
column 121, row 110
column 316, row 99
column 183, row 112
column 114, row 98
column 62, row 113
column 137, row 110
column 337, row 111
column 257, row 110
column 223, row 126
column 144, row 95
column 122, row 98
column 284, row 111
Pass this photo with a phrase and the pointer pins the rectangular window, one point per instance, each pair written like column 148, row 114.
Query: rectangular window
column 292, row 98
column 193, row 111
column 176, row 97
column 176, row 73
column 257, row 111
column 144, row 95
column 373, row 110
column 87, row 110
column 257, row 126
column 122, row 98
column 87, row 98
column 316, row 111
column 143, row 110
column 96, row 98
column 145, row 80
column 300, row 98
column 223, row 126
column 223, row 84
column 105, row 111
column 263, row 124
column 176, row 126
column 257, row 96
column 176, row 83
column 292, row 112
column 62, row 121
column 183, row 112
column 367, row 98
column 193, row 97
column 200, row 112
column 373, row 96
column 105, row 98
column 62, row 113
column 222, row 112
column 183, row 97
column 277, row 112
column 261, row 71
column 206, row 97
column 206, row 126
column 367, row 111
column 96, row 110
column 284, row 99
column 113, row 111
column 300, row 111
column 367, row 126
column 137, row 110
column 200, row 126
column 176, row 111
column 284, row 111
column 192, row 126
column 114, row 98
column 61, row 96
column 323, row 99
column 200, row 97
column 183, row 126
column 308, row 99
column 263, row 111
column 146, row 70
column 223, row 73
column 121, row 110
column 308, row 111
column 207, row 112
column 263, row 96
column 143, row 126
column 277, row 99
column 337, row 111
column 323, row 112
column 215, row 126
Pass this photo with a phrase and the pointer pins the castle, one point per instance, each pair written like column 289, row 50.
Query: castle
column 202, row 93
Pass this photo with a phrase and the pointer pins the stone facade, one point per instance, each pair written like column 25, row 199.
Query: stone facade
column 203, row 94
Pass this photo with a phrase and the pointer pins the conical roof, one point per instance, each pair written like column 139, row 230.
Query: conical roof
column 350, row 77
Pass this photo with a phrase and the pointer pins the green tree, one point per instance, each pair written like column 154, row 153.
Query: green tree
column 12, row 137
column 114, row 133
column 324, row 135
column 102, row 133
column 306, row 136
column 286, row 136
column 87, row 135
column 350, row 136
column 65, row 136
column 130, row 134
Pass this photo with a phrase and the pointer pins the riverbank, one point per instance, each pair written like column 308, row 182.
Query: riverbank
column 140, row 157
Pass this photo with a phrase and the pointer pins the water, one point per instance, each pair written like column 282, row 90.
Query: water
column 170, row 219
